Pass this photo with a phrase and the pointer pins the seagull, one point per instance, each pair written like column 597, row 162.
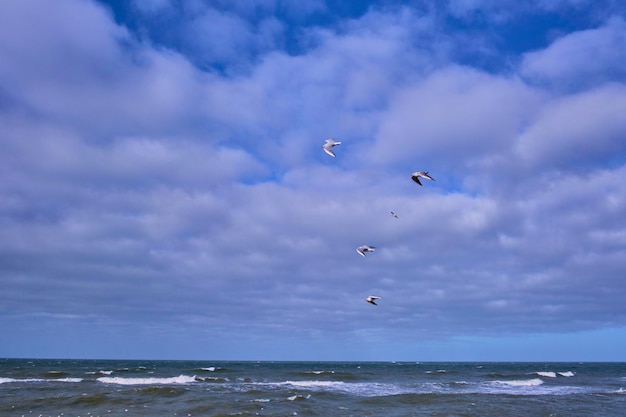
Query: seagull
column 424, row 174
column 394, row 214
column 365, row 248
column 372, row 299
column 329, row 145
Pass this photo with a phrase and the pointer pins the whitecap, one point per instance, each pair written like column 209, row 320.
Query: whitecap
column 262, row 400
column 313, row 384
column 209, row 369
column 181, row 379
column 67, row 380
column 522, row 383
column 99, row 373
column 320, row 372
column 547, row 374
column 298, row 397
column 7, row 380
column 567, row 373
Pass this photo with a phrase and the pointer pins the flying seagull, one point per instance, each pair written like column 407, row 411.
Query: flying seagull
column 365, row 248
column 394, row 214
column 424, row 174
column 372, row 299
column 329, row 145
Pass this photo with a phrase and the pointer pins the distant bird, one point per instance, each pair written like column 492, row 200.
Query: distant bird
column 394, row 214
column 424, row 174
column 329, row 145
column 372, row 299
column 365, row 248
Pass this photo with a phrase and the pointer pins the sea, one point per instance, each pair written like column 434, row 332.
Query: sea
column 88, row 388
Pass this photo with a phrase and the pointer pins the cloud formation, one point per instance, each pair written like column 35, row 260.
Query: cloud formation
column 170, row 183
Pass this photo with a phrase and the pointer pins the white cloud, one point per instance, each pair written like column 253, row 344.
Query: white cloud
column 580, row 59
column 457, row 115
column 579, row 131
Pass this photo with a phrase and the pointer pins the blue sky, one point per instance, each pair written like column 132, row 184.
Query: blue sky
column 164, row 194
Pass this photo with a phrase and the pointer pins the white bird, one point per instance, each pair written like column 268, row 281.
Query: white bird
column 329, row 145
column 365, row 248
column 424, row 174
column 394, row 214
column 372, row 299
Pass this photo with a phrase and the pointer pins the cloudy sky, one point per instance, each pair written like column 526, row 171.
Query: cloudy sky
column 164, row 194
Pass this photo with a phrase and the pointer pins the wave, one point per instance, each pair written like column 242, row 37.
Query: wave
column 550, row 374
column 9, row 380
column 214, row 379
column 55, row 373
column 299, row 397
column 521, row 382
column 99, row 372
column 211, row 369
column 312, row 384
column 319, row 372
column 181, row 379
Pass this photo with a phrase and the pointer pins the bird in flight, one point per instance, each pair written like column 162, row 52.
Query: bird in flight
column 393, row 213
column 365, row 248
column 329, row 145
column 372, row 299
column 424, row 174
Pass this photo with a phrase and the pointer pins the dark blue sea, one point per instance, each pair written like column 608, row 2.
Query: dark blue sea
column 216, row 388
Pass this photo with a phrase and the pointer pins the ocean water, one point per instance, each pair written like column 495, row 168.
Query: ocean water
column 217, row 388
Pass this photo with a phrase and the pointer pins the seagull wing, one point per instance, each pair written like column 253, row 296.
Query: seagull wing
column 328, row 150
column 416, row 178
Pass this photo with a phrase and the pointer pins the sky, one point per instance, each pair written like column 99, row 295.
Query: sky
column 164, row 193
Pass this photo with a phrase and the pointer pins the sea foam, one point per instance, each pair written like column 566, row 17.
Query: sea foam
column 313, row 384
column 7, row 380
column 547, row 374
column 181, row 379
column 522, row 382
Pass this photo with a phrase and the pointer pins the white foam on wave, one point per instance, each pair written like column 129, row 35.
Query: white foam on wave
column 298, row 397
column 521, row 382
column 547, row 374
column 313, row 384
column 366, row 389
column 8, row 380
column 99, row 373
column 319, row 372
column 67, row 379
column 209, row 369
column 181, row 379
column 567, row 374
